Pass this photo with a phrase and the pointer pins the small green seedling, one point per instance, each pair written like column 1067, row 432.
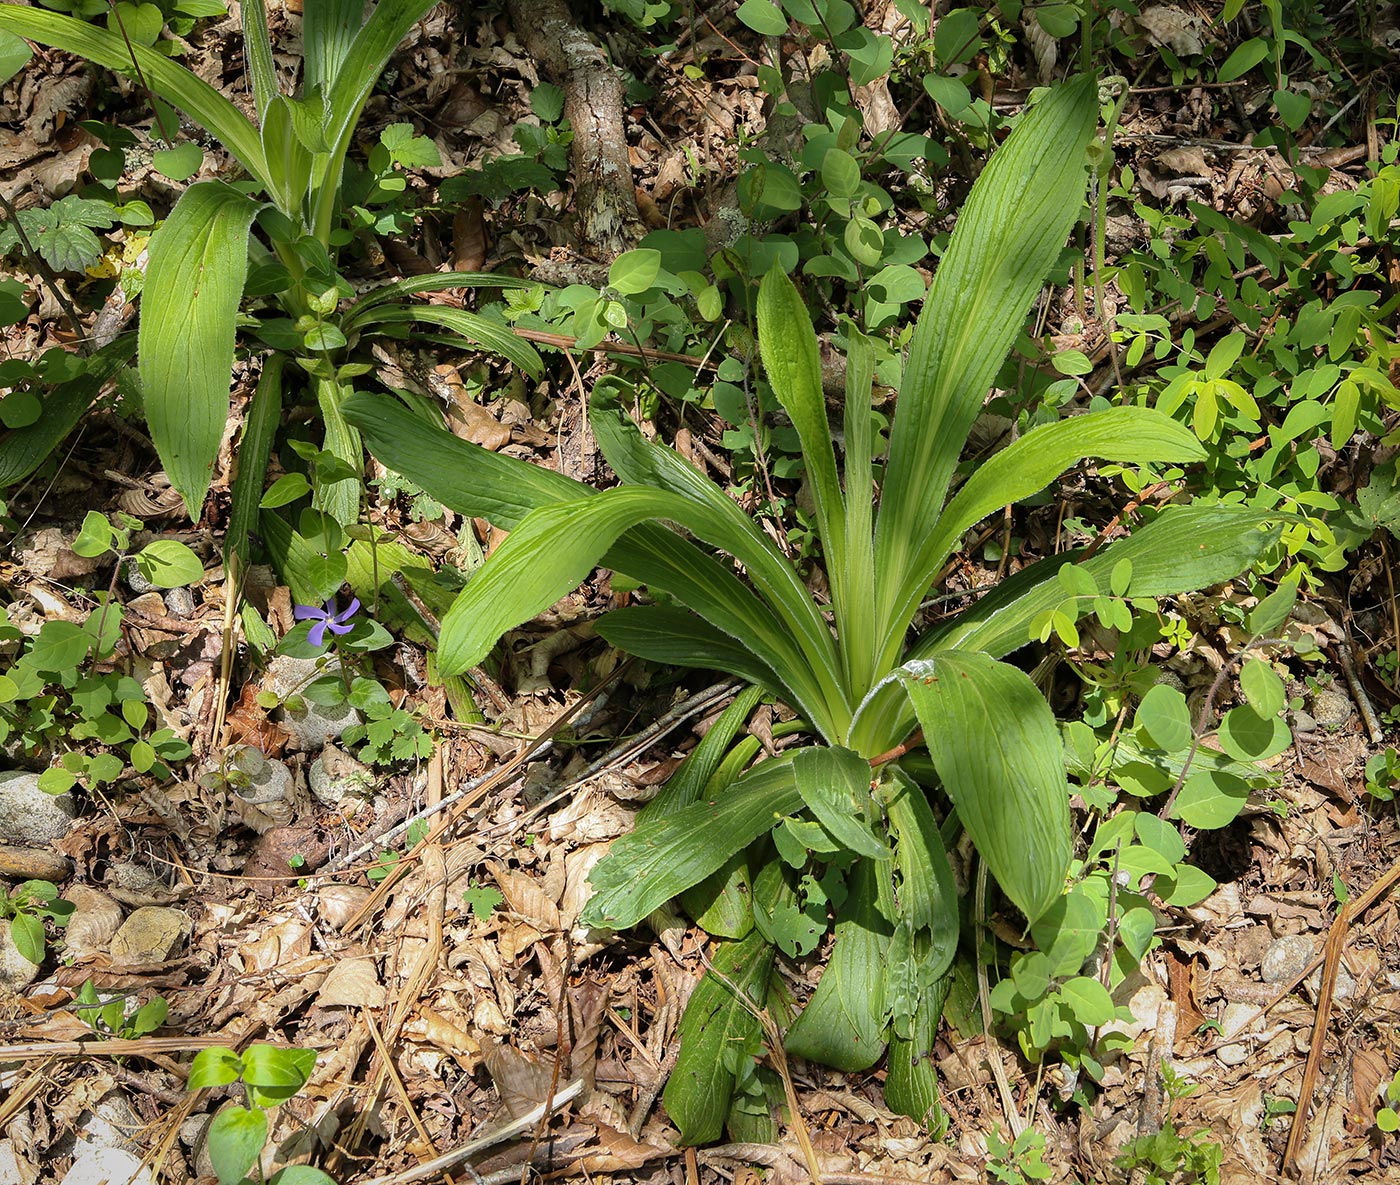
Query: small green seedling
column 108, row 1018
column 270, row 1076
column 1020, row 1161
column 1388, row 1117
column 1383, row 775
column 26, row 907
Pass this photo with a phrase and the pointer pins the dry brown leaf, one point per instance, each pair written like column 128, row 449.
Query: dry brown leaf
column 435, row 1029
column 352, row 982
column 288, row 939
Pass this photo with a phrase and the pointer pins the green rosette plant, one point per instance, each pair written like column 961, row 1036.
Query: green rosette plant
column 743, row 841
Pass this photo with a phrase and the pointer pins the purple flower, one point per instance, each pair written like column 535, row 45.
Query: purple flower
column 326, row 619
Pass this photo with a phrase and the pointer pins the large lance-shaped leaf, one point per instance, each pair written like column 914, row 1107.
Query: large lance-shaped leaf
column 676, row 637
column 171, row 82
column 843, row 1024
column 551, row 551
column 194, row 282
column 717, row 1025
column 835, row 785
column 640, row 462
column 1007, row 237
column 472, row 481
column 647, row 868
column 788, row 345
column 1131, row 435
column 994, row 743
column 1183, row 548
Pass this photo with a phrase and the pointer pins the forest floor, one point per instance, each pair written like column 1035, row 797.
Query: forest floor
column 440, row 974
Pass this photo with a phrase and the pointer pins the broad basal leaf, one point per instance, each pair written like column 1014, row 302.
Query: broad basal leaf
column 660, row 859
column 843, row 1023
column 835, row 785
column 997, row 750
column 194, row 282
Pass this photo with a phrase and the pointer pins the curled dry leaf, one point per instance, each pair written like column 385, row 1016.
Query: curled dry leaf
column 352, row 982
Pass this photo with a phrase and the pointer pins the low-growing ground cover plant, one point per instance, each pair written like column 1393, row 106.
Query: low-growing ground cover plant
column 761, row 852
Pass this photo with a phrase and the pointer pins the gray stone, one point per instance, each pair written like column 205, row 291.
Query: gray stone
column 16, row 972
column 114, row 1166
column 1302, row 721
column 312, row 724
column 268, row 781
column 28, row 815
column 1232, row 1022
column 335, row 775
column 149, row 935
column 1286, row 958
column 1331, row 707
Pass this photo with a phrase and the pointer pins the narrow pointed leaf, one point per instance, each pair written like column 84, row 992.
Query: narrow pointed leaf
column 478, row 330
column 788, row 345
column 257, row 49
column 328, row 32
column 1008, row 236
column 675, row 637
column 994, row 743
column 194, row 282
column 928, row 899
column 1131, row 435
column 394, row 291
column 647, row 868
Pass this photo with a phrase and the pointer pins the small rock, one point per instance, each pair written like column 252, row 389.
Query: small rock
column 114, row 1166
column 335, row 775
column 16, row 972
column 112, row 1123
column 1301, row 721
column 268, row 781
column 1286, row 958
column 180, row 602
column 96, row 918
column 312, row 724
column 1331, row 708
column 33, row 864
column 28, row 815
column 149, row 935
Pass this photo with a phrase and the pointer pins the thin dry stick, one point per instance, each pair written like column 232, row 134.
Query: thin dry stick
column 387, row 1068
column 1331, row 960
column 979, row 921
column 450, row 1160
column 112, row 1047
column 1358, row 693
column 778, row 1055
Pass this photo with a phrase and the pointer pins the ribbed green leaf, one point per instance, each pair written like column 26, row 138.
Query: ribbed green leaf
column 358, row 72
column 1131, row 435
column 257, row 51
column 716, row 1025
column 928, row 899
column 844, row 1022
column 1007, row 237
column 676, row 637
column 328, row 32
column 396, row 290
column 171, row 82
column 788, row 345
column 553, row 549
column 1183, row 548
column 835, row 785
column 472, row 481
column 911, row 1086
column 641, row 463
column 647, row 868
column 198, row 259
column 259, row 433
column 853, row 591
column 997, row 750
column 478, row 330
column 339, row 499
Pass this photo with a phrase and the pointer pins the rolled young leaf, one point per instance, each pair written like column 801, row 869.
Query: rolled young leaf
column 194, row 283
column 998, row 753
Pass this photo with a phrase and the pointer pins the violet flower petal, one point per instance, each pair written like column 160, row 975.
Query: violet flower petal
column 318, row 632
column 350, row 611
column 308, row 612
